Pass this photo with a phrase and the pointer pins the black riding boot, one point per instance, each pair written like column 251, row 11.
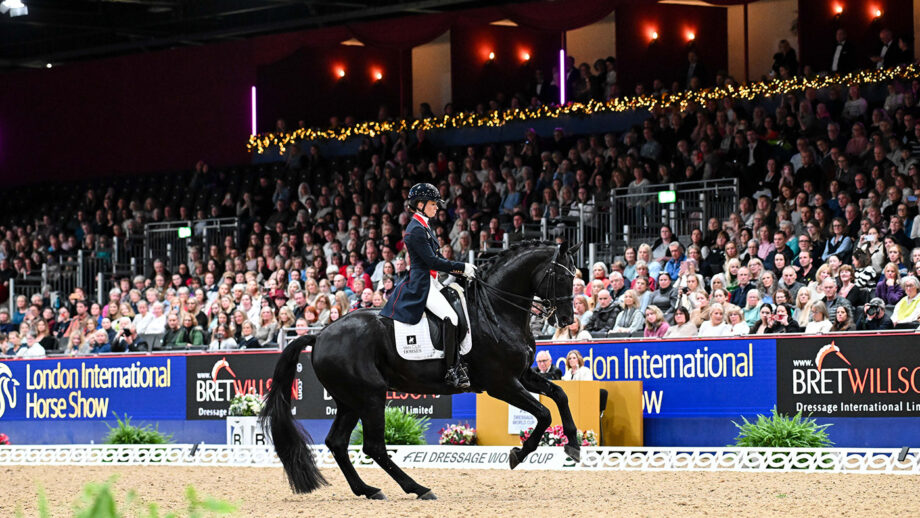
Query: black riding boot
column 456, row 372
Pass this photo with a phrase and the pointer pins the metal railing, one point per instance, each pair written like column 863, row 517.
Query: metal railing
column 630, row 219
column 162, row 240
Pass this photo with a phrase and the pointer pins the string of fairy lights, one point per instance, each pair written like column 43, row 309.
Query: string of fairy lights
column 266, row 141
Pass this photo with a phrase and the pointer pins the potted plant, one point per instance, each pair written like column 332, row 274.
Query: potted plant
column 458, row 435
column 243, row 420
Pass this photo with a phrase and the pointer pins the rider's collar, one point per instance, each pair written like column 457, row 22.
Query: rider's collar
column 422, row 218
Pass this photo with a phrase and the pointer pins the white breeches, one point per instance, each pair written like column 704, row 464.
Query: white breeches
column 438, row 305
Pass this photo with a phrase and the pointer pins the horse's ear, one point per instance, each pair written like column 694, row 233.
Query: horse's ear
column 574, row 248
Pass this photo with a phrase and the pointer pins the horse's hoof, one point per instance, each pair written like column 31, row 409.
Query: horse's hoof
column 573, row 452
column 427, row 495
column 515, row 458
column 377, row 496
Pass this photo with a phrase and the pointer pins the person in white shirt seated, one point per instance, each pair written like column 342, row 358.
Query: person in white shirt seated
column 715, row 326
column 33, row 348
column 575, row 368
column 223, row 339
column 737, row 325
column 143, row 318
column 157, row 324
column 819, row 322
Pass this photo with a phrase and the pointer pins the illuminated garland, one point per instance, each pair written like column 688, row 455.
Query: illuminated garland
column 260, row 143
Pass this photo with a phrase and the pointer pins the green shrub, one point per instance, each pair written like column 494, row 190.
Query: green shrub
column 400, row 428
column 97, row 501
column 779, row 431
column 126, row 433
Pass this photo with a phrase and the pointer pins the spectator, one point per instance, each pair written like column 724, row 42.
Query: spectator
column 172, row 334
column 573, row 331
column 889, row 288
column 575, row 368
column 874, row 317
column 843, row 320
column 268, row 327
column 737, row 325
column 582, row 311
column 844, row 58
column 190, row 335
column 665, row 297
column 630, row 319
column 819, row 323
column 655, row 325
column 683, row 327
column 33, row 348
column 715, row 326
column 545, row 367
column 831, row 299
column 782, row 321
column 100, row 342
column 157, row 323
column 222, row 340
column 248, row 338
column 605, row 314
column 77, row 345
column 766, row 320
column 908, row 308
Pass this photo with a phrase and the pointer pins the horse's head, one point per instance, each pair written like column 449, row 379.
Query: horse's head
column 554, row 286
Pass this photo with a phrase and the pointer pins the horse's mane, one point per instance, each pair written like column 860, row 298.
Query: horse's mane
column 488, row 267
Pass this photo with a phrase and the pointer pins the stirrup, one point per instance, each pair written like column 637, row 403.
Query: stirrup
column 457, row 377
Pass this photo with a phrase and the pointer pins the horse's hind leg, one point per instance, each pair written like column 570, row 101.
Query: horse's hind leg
column 339, row 435
column 375, row 446
column 536, row 383
column 516, row 395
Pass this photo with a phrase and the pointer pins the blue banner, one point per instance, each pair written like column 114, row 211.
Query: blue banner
column 700, row 378
column 96, row 388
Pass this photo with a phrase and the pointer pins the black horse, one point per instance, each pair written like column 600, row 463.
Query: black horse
column 356, row 361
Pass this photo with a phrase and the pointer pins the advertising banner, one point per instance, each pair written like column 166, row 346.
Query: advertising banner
column 844, row 376
column 215, row 379
column 699, row 378
column 149, row 387
column 314, row 402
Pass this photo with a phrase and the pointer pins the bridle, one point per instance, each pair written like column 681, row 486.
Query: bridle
column 546, row 307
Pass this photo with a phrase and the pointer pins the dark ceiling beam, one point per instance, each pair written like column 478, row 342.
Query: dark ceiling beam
column 251, row 30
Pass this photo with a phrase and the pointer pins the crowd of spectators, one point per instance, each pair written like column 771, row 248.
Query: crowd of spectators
column 824, row 238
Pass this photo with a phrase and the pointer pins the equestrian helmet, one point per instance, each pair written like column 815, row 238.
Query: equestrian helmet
column 425, row 192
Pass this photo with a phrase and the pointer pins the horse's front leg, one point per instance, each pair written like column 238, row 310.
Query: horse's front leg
column 515, row 394
column 536, row 383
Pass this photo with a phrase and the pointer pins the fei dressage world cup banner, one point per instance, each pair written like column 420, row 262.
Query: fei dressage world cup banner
column 93, row 387
column 700, row 378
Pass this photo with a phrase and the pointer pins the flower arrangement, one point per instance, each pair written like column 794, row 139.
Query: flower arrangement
column 458, row 435
column 245, row 405
column 554, row 436
column 4, row 439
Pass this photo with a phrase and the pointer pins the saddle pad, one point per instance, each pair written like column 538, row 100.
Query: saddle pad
column 413, row 341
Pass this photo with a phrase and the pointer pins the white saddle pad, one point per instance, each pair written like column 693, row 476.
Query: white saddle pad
column 413, row 341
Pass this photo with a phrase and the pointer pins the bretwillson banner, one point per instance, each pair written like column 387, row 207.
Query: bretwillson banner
column 843, row 376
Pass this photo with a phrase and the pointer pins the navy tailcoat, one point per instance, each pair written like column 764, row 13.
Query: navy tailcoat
column 407, row 302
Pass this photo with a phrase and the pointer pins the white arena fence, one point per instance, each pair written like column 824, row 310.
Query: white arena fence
column 830, row 460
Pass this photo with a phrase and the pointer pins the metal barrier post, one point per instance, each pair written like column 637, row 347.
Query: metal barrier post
column 133, row 267
column 44, row 276
column 471, row 257
column 99, row 288
column 544, row 229
column 506, row 243
column 592, row 253
column 12, row 296
column 80, row 269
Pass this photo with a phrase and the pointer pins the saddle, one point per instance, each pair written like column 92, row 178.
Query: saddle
column 435, row 324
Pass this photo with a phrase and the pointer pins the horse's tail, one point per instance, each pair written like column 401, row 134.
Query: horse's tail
column 290, row 439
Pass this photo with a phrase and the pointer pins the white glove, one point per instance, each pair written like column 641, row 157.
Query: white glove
column 469, row 271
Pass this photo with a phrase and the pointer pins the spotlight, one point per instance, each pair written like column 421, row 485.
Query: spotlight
column 14, row 7
column 877, row 13
column 491, row 56
column 654, row 35
column 48, row 65
column 838, row 9
column 525, row 56
column 691, row 35
column 340, row 72
column 378, row 75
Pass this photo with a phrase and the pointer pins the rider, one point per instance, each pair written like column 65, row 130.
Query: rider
column 422, row 289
